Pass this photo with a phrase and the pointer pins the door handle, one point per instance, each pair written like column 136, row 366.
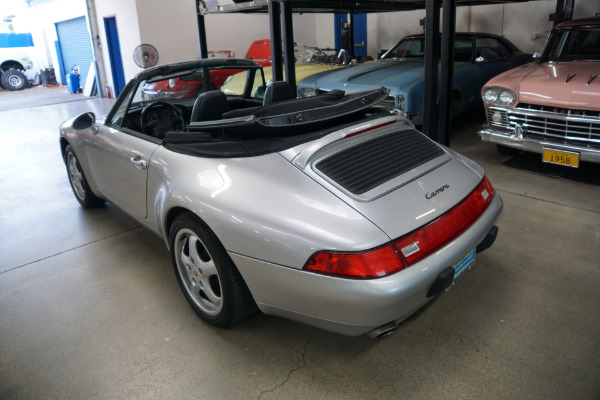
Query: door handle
column 138, row 162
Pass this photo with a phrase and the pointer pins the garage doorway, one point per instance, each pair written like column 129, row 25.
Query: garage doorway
column 114, row 54
column 74, row 48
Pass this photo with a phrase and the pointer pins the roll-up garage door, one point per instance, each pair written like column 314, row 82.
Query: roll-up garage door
column 75, row 47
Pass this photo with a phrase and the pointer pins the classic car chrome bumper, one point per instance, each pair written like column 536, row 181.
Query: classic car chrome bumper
column 532, row 128
column 352, row 306
column 514, row 138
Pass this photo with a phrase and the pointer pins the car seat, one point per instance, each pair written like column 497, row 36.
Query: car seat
column 209, row 106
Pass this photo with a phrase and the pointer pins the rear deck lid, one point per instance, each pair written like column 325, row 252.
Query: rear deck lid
column 394, row 176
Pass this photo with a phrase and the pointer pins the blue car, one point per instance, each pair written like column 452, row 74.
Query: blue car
column 477, row 58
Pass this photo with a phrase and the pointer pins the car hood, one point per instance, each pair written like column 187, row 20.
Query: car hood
column 562, row 84
column 392, row 74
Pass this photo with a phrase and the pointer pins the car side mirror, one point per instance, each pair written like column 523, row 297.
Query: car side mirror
column 479, row 60
column 84, row 121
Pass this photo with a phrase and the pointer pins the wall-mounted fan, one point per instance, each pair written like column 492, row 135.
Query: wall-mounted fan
column 145, row 55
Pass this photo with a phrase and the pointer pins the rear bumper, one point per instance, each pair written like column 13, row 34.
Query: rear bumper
column 350, row 306
column 512, row 138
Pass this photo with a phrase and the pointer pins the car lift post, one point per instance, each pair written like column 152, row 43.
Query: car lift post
column 288, row 44
column 447, row 71
column 201, row 32
column 438, row 101
column 432, row 57
column 275, row 28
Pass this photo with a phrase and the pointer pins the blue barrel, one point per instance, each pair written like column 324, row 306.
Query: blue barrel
column 73, row 83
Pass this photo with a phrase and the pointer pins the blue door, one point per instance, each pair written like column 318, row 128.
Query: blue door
column 359, row 31
column 114, row 53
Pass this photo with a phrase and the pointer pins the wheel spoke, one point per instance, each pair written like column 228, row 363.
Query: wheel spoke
column 186, row 261
column 214, row 299
column 194, row 255
column 209, row 270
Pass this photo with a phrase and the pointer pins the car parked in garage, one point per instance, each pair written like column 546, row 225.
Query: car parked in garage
column 277, row 205
column 477, row 58
column 551, row 106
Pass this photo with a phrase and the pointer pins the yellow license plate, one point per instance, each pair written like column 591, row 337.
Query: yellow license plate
column 560, row 157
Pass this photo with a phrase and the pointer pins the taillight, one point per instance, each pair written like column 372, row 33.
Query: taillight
column 410, row 248
column 433, row 236
column 373, row 263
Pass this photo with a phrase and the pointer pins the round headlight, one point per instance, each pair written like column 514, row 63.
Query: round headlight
column 490, row 95
column 506, row 97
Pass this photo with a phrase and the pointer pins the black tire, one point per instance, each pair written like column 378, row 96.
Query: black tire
column 13, row 79
column 507, row 151
column 206, row 274
column 80, row 186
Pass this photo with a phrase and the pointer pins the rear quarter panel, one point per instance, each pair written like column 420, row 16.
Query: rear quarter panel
column 259, row 207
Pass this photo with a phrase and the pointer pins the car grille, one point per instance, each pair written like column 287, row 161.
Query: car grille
column 575, row 127
column 371, row 163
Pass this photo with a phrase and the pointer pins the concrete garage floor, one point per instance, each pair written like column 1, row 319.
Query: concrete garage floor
column 90, row 307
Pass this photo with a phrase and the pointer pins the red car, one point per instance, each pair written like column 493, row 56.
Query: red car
column 192, row 85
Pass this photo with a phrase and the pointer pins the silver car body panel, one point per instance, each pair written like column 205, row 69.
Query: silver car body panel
column 352, row 306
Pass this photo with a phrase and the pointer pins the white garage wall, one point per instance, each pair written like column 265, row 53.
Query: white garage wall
column 324, row 31
column 125, row 14
column 236, row 32
column 171, row 27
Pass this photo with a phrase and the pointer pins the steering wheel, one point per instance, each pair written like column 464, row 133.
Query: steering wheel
column 166, row 123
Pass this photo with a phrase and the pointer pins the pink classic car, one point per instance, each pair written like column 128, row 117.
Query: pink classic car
column 551, row 106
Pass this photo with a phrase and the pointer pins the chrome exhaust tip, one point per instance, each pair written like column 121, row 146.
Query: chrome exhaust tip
column 383, row 331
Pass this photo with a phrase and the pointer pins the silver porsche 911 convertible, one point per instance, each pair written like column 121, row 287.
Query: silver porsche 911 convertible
column 326, row 210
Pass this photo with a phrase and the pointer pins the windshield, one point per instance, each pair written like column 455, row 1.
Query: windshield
column 185, row 86
column 575, row 44
column 411, row 47
column 414, row 47
column 163, row 103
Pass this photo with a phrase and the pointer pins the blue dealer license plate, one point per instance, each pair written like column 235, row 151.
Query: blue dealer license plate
column 464, row 265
